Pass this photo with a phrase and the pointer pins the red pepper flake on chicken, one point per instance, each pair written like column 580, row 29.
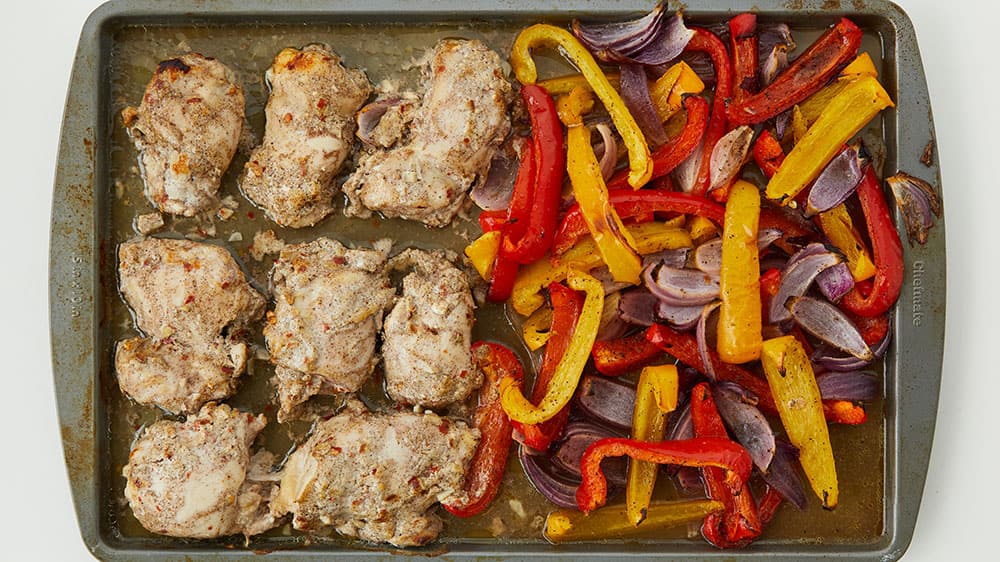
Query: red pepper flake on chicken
column 186, row 130
column 454, row 134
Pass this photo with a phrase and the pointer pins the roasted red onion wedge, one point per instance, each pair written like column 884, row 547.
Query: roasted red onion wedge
column 729, row 155
column 774, row 41
column 686, row 173
column 493, row 191
column 829, row 324
column 609, row 158
column 834, row 360
column 702, row 339
column 606, row 400
column 708, row 256
column 628, row 36
column 369, row 116
column 838, row 180
column 612, row 326
column 783, row 474
column 580, row 435
column 638, row 307
column 557, row 487
column 795, row 279
column 635, row 93
column 682, row 287
column 738, row 408
column 849, row 385
column 835, row 282
column 918, row 202
column 681, row 317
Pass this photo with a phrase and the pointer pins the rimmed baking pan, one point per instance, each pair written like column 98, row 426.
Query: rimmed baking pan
column 97, row 191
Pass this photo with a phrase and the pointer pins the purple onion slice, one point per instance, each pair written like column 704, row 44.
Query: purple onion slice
column 918, row 202
column 627, row 37
column 556, row 486
column 829, row 324
column 570, row 450
column 638, row 307
column 738, row 409
column 834, row 360
column 783, row 474
column 612, row 326
column 702, row 339
column 671, row 258
column 708, row 256
column 635, row 93
column 849, row 385
column 681, row 317
column 729, row 155
column 493, row 191
column 795, row 279
column 683, row 287
column 666, row 46
column 369, row 116
column 686, row 173
column 774, row 42
column 609, row 158
column 606, row 400
column 835, row 282
column 838, row 180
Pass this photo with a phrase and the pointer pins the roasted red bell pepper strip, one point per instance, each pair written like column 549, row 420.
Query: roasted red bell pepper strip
column 529, row 242
column 684, row 347
column 739, row 523
column 632, row 204
column 767, row 153
column 743, row 41
column 616, row 357
column 698, row 452
column 769, row 505
column 845, row 412
column 502, row 279
column 566, row 307
column 872, row 328
column 770, row 281
column 705, row 41
column 887, row 253
column 482, row 482
column 492, row 220
column 677, row 149
column 806, row 75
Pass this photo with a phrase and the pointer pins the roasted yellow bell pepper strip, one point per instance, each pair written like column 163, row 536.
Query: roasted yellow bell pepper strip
column 566, row 525
column 668, row 91
column 799, row 125
column 701, row 228
column 796, row 394
column 567, row 376
column 483, row 252
column 543, row 35
column 813, row 106
column 839, row 228
column 739, row 331
column 606, row 227
column 846, row 114
column 565, row 84
column 649, row 237
column 537, row 328
column 655, row 397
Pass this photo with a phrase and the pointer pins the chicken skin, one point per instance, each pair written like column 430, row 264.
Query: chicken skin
column 454, row 134
column 196, row 479
column 309, row 134
column 329, row 302
column 186, row 131
column 191, row 301
column 376, row 476
column 427, row 337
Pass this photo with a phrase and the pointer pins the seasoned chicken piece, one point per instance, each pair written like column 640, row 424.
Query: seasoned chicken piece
column 329, row 302
column 428, row 334
column 191, row 302
column 191, row 479
column 376, row 476
column 186, row 130
column 309, row 133
column 456, row 130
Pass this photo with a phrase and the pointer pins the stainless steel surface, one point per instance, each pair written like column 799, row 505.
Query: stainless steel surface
column 81, row 207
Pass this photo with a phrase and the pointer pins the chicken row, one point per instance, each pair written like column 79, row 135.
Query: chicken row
column 188, row 125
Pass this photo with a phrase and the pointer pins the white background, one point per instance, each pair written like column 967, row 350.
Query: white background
column 959, row 46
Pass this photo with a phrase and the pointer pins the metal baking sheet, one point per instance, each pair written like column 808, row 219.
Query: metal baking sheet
column 83, row 240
